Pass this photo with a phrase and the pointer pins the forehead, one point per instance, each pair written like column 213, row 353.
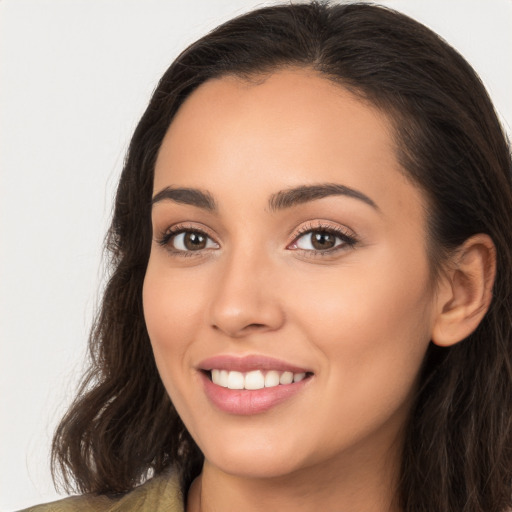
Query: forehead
column 293, row 127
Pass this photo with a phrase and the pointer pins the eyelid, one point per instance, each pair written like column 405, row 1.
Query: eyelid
column 167, row 234
column 348, row 237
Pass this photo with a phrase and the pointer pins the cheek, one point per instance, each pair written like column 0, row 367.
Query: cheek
column 371, row 329
column 376, row 316
column 172, row 313
column 171, row 302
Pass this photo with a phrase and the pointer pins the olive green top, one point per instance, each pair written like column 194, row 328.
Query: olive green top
column 160, row 494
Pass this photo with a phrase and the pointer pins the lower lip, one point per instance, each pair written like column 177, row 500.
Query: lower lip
column 245, row 402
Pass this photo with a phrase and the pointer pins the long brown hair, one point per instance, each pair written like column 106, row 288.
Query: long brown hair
column 122, row 427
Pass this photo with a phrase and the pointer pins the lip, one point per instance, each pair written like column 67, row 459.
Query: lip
column 249, row 363
column 246, row 402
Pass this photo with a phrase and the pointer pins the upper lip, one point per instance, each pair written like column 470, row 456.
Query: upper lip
column 248, row 363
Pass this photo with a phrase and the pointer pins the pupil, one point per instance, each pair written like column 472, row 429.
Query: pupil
column 194, row 241
column 322, row 240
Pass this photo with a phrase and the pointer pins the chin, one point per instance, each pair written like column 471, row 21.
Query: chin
column 254, row 467
column 254, row 457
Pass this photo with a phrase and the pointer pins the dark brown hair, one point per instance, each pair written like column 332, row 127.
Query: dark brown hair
column 457, row 454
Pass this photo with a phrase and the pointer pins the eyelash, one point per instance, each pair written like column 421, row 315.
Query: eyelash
column 166, row 237
column 348, row 240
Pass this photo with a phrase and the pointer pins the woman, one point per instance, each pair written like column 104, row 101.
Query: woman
column 310, row 301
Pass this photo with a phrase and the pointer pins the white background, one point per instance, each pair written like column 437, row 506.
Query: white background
column 75, row 76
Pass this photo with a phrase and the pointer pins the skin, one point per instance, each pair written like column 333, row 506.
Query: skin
column 359, row 316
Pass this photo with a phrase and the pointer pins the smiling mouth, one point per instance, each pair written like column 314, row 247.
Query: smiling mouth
column 256, row 379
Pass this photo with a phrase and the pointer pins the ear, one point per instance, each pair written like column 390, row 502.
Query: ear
column 465, row 291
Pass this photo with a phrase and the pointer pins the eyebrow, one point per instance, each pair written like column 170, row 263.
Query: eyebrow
column 279, row 201
column 303, row 194
column 190, row 196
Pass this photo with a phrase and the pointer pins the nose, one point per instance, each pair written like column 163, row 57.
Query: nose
column 246, row 298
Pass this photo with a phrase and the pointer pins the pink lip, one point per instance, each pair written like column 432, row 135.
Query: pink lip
column 247, row 402
column 248, row 363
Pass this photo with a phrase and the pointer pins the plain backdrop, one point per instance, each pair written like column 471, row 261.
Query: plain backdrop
column 75, row 76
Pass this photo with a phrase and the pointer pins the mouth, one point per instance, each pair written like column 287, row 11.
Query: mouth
column 255, row 379
column 251, row 384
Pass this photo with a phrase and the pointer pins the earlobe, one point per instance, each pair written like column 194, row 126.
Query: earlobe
column 465, row 291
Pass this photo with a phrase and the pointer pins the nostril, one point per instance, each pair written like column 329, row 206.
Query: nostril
column 254, row 328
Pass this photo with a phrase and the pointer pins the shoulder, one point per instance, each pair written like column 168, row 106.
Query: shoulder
column 159, row 494
column 75, row 504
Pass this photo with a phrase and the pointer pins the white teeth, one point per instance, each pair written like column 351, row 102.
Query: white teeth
column 271, row 379
column 286, row 378
column 255, row 379
column 223, row 378
column 235, row 380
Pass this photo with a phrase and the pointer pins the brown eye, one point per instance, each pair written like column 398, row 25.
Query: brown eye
column 318, row 241
column 187, row 241
column 321, row 240
column 194, row 241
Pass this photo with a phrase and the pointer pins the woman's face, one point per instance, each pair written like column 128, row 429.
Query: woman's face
column 288, row 246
